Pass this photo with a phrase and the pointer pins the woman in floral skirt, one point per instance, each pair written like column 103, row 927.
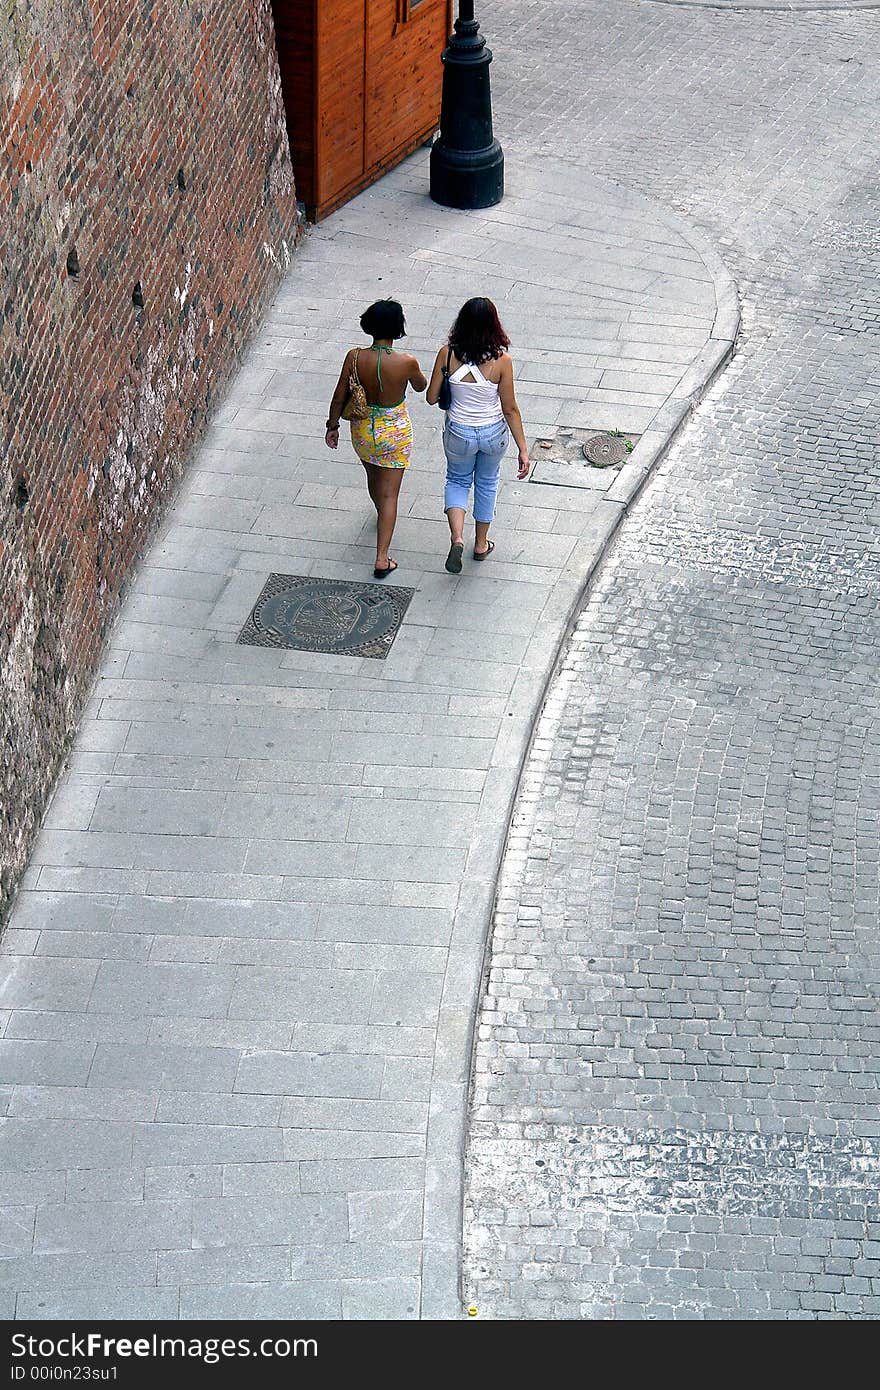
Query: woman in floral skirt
column 383, row 440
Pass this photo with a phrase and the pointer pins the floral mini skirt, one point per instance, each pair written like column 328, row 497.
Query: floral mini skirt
column 385, row 437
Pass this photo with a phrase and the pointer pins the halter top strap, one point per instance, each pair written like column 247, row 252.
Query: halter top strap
column 379, row 349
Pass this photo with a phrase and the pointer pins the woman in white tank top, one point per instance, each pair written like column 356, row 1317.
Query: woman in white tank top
column 482, row 415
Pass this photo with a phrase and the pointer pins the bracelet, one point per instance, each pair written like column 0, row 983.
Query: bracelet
column 328, row 427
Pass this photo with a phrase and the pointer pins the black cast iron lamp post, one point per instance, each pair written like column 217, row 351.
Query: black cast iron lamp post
column 467, row 163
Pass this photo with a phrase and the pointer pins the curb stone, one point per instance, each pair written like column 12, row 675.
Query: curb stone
column 482, row 886
column 781, row 7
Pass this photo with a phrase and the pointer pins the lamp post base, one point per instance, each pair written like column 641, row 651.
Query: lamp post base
column 467, row 178
column 467, row 163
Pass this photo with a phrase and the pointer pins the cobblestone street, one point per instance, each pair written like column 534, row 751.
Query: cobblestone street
column 675, row 1097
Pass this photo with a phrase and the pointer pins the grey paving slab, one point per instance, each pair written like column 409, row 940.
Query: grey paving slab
column 310, row 1074
column 316, row 996
column 27, row 1188
column 390, row 1043
column 261, row 1220
column 386, row 925
column 406, row 998
column 200, row 1107
column 427, row 864
column 104, row 1301
column 406, row 824
column 367, row 1175
column 66, row 1273
column 300, row 858
column 98, row 945
column 183, row 1180
column 47, row 984
column 25, row 1062
column 396, row 1117
column 52, row 1026
column 189, row 1141
column 230, row 1264
column 410, row 960
column 248, row 918
column 16, row 1230
column 338, row 1145
column 164, row 1067
column 101, row 1185
column 156, row 988
column 80, row 1102
column 139, row 850
column 381, row 1299
column 415, row 750
column 110, row 1226
column 287, row 817
column 42, row 911
column 385, row 1216
column 58, row 1144
column 253, row 1179
column 357, row 1260
column 247, row 1302
column 306, row 955
column 254, row 873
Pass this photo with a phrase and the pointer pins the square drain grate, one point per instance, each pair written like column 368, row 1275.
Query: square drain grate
column 339, row 616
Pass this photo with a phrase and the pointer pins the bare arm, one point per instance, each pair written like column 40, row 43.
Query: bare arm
column 417, row 379
column 512, row 414
column 437, row 376
column 331, row 435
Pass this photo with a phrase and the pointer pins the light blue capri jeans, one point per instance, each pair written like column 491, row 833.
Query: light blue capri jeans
column 473, row 460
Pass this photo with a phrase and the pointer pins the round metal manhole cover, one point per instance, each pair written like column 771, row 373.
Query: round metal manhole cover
column 605, row 450
column 326, row 615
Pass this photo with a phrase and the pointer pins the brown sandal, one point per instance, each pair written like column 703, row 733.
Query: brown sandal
column 490, row 546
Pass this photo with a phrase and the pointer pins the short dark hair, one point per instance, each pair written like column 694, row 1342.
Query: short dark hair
column 384, row 319
column 477, row 334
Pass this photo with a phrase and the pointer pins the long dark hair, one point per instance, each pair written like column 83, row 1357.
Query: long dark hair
column 477, row 335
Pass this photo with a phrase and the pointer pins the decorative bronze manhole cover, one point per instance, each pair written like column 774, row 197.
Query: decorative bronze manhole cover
column 339, row 616
column 606, row 450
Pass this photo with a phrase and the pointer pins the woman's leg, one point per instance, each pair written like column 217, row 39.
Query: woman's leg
column 460, row 456
column 487, row 473
column 371, row 485
column 455, row 517
column 385, row 491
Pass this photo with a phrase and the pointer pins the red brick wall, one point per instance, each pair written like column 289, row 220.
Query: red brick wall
column 143, row 154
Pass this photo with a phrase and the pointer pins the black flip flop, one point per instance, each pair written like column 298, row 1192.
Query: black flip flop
column 453, row 559
column 383, row 574
column 486, row 553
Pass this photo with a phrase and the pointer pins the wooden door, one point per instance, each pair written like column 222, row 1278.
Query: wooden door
column 341, row 55
column 403, row 76
column 362, row 82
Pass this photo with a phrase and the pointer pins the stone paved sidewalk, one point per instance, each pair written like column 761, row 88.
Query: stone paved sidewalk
column 675, row 1099
column 240, row 977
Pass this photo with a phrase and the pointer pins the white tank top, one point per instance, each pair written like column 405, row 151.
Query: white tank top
column 476, row 402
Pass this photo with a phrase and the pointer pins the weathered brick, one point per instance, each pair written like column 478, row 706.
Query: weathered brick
column 143, row 146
